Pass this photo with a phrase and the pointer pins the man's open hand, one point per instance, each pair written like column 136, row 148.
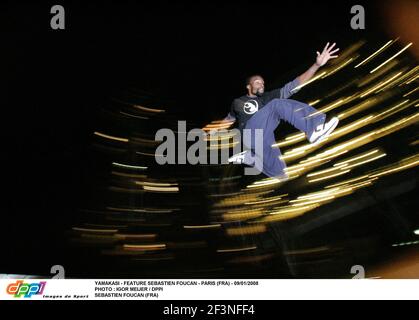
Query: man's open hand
column 326, row 55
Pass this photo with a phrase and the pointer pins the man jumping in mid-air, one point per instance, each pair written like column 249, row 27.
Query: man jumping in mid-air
column 264, row 110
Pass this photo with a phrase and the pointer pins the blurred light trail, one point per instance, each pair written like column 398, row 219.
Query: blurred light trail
column 128, row 166
column 375, row 53
column 149, row 110
column 95, row 230
column 388, row 60
column 110, row 137
column 236, row 249
column 208, row 226
column 329, row 176
column 246, row 230
column 144, row 247
column 381, row 84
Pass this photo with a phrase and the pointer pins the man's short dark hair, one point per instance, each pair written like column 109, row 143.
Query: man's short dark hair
column 249, row 78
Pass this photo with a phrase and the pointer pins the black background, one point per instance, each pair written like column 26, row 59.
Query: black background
column 193, row 56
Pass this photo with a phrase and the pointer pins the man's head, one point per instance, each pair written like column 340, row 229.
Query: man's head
column 255, row 85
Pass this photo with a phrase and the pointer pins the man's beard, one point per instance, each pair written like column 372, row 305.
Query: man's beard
column 259, row 93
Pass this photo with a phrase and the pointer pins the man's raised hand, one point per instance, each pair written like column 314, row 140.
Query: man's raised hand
column 326, row 54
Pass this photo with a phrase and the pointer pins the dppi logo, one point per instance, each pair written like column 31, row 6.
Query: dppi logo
column 27, row 290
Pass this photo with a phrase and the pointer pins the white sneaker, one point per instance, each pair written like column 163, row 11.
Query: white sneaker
column 238, row 158
column 323, row 130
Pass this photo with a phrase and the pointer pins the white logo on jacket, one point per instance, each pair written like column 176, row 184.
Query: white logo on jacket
column 250, row 106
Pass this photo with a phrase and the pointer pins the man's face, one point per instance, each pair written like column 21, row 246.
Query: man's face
column 256, row 86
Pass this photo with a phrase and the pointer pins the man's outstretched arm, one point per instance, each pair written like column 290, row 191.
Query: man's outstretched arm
column 321, row 60
column 292, row 87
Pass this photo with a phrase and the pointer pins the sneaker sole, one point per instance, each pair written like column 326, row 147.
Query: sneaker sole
column 327, row 133
column 234, row 159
